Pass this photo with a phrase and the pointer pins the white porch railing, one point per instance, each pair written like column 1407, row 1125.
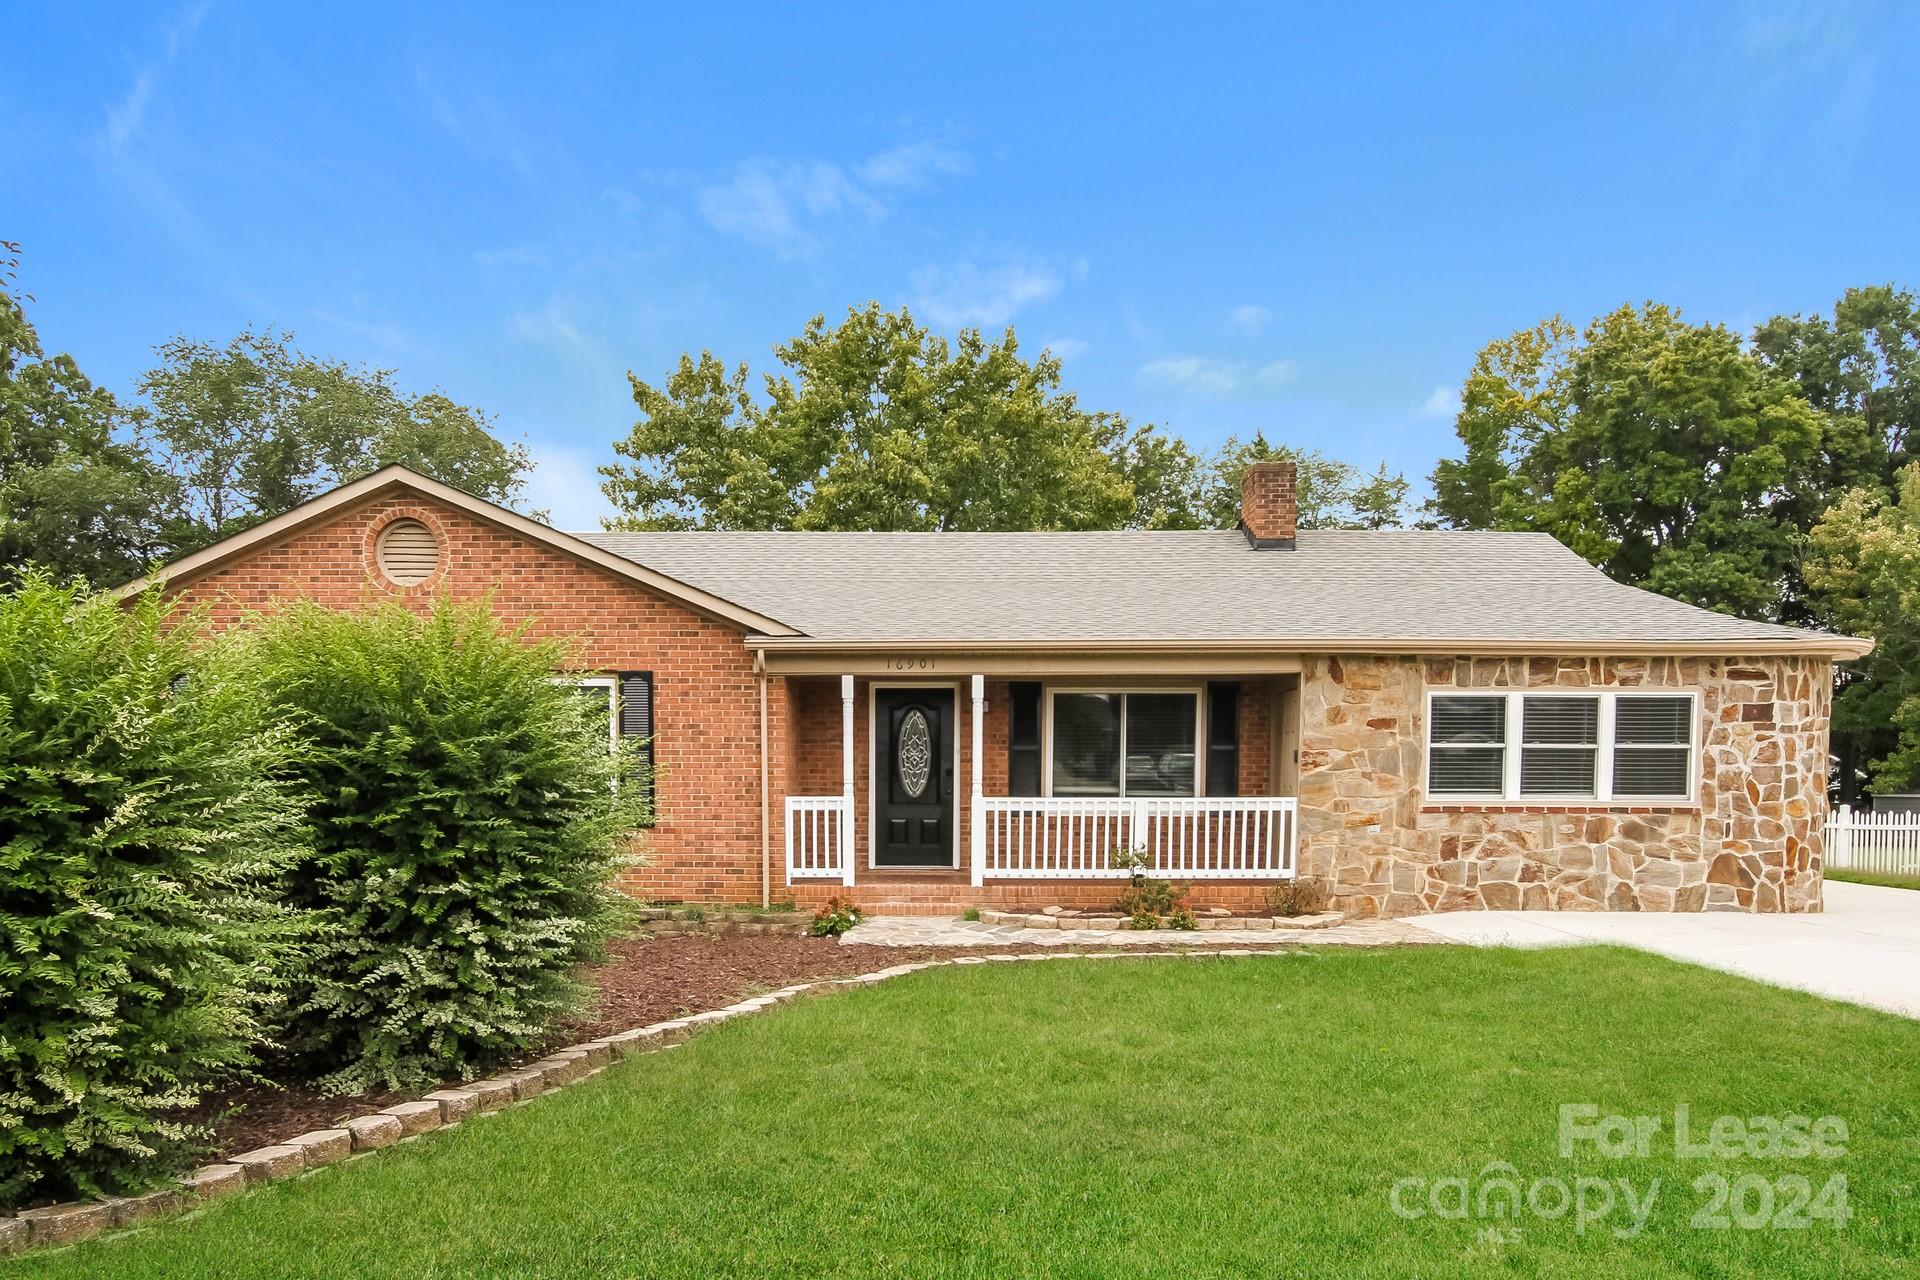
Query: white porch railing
column 1884, row 842
column 1059, row 838
column 819, row 842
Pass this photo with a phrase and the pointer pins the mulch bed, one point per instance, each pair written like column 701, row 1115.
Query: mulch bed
column 644, row 980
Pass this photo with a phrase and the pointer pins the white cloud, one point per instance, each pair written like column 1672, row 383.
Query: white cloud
column 1216, row 378
column 983, row 296
column 1442, row 402
column 552, row 325
column 782, row 206
column 1068, row 348
column 1248, row 321
column 914, row 165
column 126, row 118
column 566, row 485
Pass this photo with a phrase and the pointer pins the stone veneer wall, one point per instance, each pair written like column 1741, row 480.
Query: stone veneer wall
column 1752, row 843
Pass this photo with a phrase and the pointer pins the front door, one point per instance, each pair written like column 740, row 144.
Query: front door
column 913, row 770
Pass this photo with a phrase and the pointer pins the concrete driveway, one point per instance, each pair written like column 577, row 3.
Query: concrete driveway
column 1865, row 947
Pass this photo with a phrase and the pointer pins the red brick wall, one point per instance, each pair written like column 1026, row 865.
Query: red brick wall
column 706, row 844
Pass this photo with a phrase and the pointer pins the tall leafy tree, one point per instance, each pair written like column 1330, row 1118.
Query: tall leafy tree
column 874, row 423
column 77, row 495
column 253, row 427
column 1665, row 452
column 879, row 423
column 1864, row 565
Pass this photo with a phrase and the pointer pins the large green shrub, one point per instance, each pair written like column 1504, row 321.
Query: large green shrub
column 468, row 822
column 144, row 802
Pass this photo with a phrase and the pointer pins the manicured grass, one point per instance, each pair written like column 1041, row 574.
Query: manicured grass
column 1131, row 1117
column 1885, row 880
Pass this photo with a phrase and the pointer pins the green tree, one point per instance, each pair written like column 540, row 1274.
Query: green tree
column 1329, row 494
column 877, row 423
column 1862, row 368
column 1864, row 564
column 77, row 495
column 1664, row 452
column 254, row 427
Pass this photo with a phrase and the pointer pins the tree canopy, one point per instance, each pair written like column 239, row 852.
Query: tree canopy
column 880, row 423
column 218, row 437
column 252, row 427
column 76, row 496
column 1664, row 452
column 1864, row 561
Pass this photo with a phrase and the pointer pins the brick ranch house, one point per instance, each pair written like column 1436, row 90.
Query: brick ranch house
column 1425, row 720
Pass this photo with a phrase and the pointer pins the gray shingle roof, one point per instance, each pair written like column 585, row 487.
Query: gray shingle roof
column 1206, row 587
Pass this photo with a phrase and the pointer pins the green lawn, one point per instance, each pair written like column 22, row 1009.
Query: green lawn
column 1885, row 880
column 1163, row 1117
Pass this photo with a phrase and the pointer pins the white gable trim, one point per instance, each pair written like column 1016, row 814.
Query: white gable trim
column 401, row 478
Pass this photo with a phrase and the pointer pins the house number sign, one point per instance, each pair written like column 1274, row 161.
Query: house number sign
column 910, row 662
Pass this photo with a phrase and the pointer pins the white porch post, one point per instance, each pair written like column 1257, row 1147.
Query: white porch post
column 846, row 780
column 977, row 829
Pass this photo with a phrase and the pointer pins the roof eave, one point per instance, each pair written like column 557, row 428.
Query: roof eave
column 1836, row 647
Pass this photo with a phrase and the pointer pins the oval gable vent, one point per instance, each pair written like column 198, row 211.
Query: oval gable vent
column 408, row 553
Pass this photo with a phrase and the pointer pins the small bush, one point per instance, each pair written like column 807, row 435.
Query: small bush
column 469, row 820
column 1303, row 896
column 1146, row 895
column 1182, row 918
column 1144, row 919
column 971, row 913
column 145, row 807
column 835, row 916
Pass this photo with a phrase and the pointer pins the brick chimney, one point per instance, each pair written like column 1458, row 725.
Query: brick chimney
column 1267, row 504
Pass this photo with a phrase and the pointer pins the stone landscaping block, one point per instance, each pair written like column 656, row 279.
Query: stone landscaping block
column 561, row 1068
column 324, row 1146
column 456, row 1104
column 1256, row 922
column 527, row 1084
column 66, row 1223
column 1039, row 922
column 13, row 1236
column 671, row 1032
column 414, row 1117
column 370, row 1133
column 130, row 1211
column 264, row 1164
column 492, row 1093
column 210, row 1182
column 598, row 1054
column 1319, row 920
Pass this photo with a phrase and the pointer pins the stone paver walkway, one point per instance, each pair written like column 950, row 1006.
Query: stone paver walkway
column 937, row 931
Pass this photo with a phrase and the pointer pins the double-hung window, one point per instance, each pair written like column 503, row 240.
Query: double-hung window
column 1124, row 743
column 628, row 700
column 1552, row 746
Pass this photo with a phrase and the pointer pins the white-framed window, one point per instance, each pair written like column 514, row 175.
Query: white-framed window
column 602, row 691
column 1553, row 745
column 1123, row 742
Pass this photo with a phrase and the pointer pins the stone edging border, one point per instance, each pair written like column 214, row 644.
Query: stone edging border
column 1203, row 924
column 65, row 1224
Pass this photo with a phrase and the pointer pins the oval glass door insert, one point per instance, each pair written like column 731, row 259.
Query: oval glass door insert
column 915, row 748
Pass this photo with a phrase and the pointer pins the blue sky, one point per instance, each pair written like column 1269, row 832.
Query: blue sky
column 1223, row 218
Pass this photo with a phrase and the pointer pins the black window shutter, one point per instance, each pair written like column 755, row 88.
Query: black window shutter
column 1223, row 738
column 1023, row 738
column 636, row 711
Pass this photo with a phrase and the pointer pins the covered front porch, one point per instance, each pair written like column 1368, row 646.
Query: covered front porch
column 1023, row 780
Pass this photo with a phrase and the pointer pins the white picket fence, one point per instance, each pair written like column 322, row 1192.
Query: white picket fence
column 1884, row 842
